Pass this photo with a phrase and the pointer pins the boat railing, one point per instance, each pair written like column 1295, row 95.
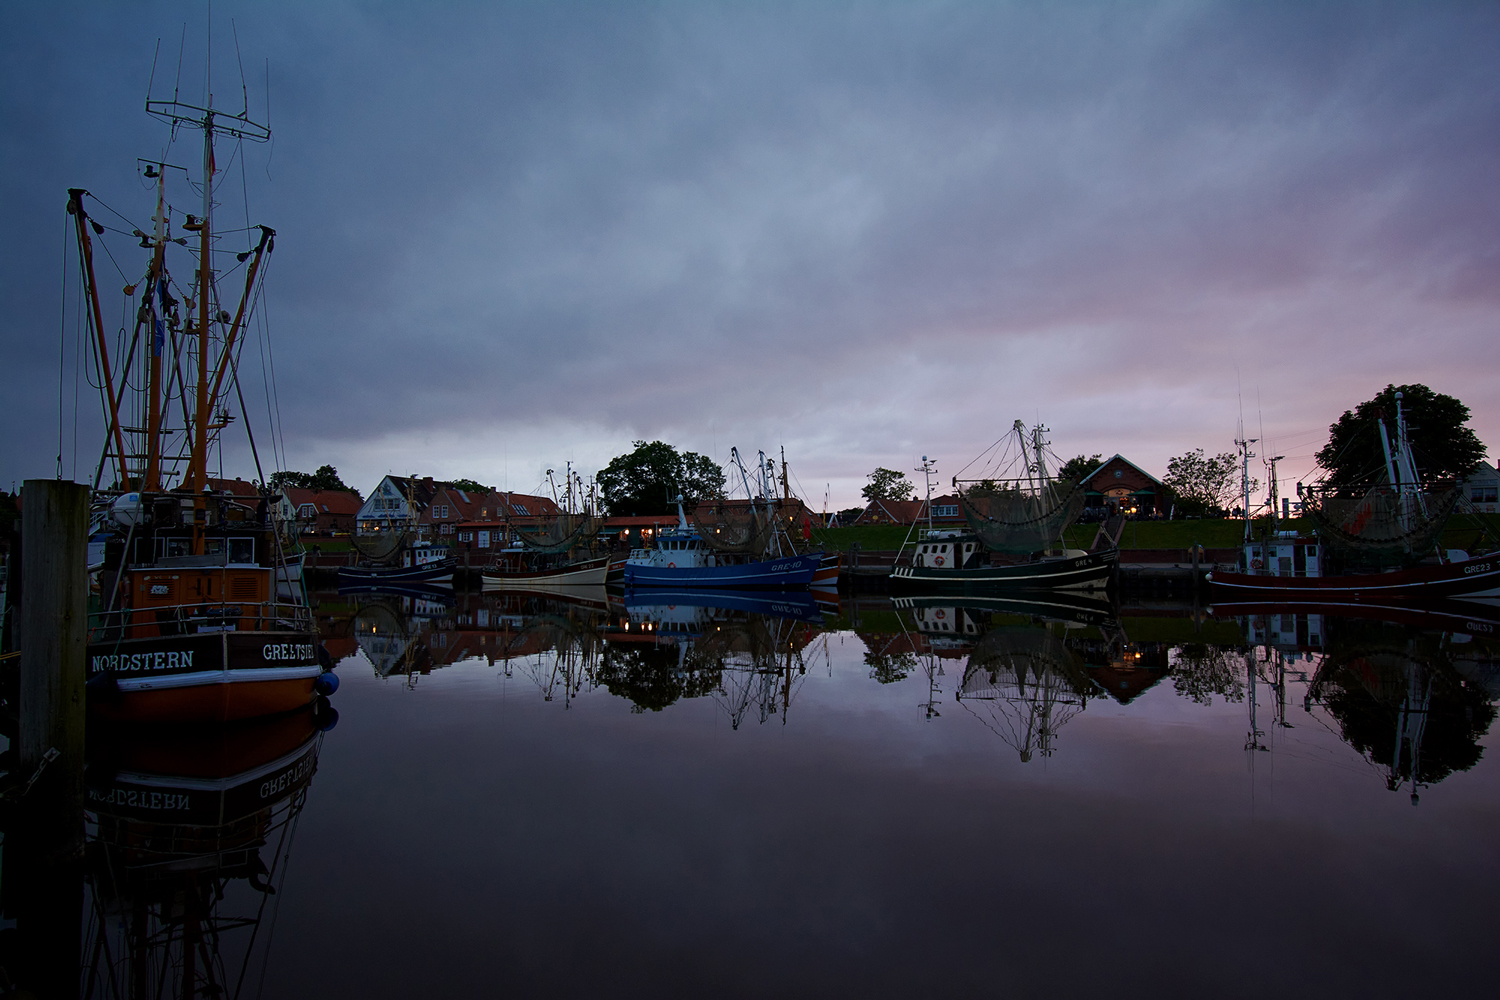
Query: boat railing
column 202, row 618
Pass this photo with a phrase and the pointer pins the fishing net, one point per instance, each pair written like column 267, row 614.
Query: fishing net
column 741, row 528
column 568, row 531
column 381, row 546
column 1381, row 524
column 1018, row 522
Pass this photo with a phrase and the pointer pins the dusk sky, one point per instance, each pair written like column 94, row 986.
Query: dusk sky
column 514, row 235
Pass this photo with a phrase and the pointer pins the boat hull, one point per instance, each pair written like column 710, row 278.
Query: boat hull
column 1474, row 578
column 202, row 678
column 432, row 575
column 1092, row 571
column 827, row 576
column 790, row 573
column 591, row 573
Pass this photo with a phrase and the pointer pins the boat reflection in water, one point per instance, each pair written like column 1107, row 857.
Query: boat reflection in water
column 189, row 831
column 1412, row 687
column 746, row 651
column 553, row 635
column 1033, row 660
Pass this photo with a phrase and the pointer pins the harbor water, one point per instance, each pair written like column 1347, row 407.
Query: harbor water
column 523, row 796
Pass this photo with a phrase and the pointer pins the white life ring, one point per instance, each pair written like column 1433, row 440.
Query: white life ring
column 938, row 561
column 940, row 615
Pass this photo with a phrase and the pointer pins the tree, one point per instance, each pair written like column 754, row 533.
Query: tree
column 325, row 478
column 888, row 668
column 1201, row 484
column 1074, row 469
column 648, row 480
column 469, row 486
column 1440, row 443
column 887, row 484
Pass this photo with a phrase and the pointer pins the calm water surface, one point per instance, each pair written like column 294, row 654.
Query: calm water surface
column 523, row 796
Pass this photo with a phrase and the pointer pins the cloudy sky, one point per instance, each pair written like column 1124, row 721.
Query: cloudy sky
column 514, row 235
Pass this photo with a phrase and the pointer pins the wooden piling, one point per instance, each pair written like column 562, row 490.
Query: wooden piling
column 54, row 623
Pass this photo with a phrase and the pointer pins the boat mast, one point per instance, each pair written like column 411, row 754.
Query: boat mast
column 158, row 346
column 86, row 251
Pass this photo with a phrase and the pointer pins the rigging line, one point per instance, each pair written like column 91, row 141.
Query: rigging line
column 108, row 208
column 234, row 364
column 62, row 340
column 265, row 381
column 79, row 376
column 181, row 46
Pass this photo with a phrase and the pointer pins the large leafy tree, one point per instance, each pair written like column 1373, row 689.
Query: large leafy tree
column 1074, row 469
column 1202, row 483
column 1442, row 446
column 648, row 480
column 887, row 484
column 325, row 478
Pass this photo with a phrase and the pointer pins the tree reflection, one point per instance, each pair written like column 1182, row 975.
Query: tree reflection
column 1200, row 671
column 1399, row 701
column 652, row 676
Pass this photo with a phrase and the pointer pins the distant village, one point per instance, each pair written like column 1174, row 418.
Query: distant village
column 460, row 516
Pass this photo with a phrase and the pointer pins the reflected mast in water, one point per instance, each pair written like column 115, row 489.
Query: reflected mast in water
column 189, row 835
column 1029, row 684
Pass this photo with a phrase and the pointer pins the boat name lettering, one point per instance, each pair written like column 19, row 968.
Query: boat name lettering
column 287, row 778
column 1478, row 627
column 1481, row 568
column 162, row 659
column 286, row 651
column 140, row 798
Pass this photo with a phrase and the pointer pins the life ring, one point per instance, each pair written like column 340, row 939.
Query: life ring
column 937, row 561
column 940, row 615
column 671, row 565
column 1256, row 564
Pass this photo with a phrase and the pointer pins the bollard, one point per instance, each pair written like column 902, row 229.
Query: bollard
column 54, row 623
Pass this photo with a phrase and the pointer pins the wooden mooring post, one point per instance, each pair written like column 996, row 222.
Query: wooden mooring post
column 43, row 858
column 54, row 624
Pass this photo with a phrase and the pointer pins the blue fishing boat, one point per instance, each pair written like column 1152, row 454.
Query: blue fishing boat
column 685, row 559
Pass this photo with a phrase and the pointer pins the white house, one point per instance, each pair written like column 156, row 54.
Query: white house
column 1482, row 489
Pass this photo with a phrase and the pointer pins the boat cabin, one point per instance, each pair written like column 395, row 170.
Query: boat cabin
column 949, row 550
column 1285, row 555
column 676, row 550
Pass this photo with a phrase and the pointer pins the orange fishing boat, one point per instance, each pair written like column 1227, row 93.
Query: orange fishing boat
column 197, row 618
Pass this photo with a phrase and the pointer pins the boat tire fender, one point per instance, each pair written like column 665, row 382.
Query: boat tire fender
column 327, row 683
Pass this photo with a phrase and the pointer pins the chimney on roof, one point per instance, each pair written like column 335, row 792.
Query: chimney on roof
column 427, row 480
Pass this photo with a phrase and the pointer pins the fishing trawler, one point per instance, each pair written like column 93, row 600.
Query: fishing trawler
column 554, row 552
column 1018, row 514
column 190, row 624
column 1373, row 542
column 745, row 543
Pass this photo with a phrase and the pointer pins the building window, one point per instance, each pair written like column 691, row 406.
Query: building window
column 520, row 510
column 1484, row 494
column 466, row 536
column 945, row 510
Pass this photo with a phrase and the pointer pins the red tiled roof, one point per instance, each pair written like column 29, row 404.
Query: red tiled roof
column 237, row 487
column 340, row 502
